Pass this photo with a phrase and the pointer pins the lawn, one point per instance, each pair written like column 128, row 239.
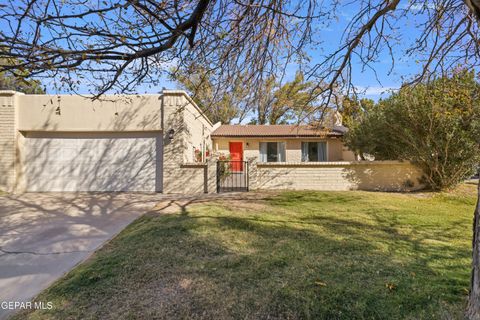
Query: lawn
column 291, row 255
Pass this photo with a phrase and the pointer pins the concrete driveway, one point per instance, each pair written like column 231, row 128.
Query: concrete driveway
column 42, row 236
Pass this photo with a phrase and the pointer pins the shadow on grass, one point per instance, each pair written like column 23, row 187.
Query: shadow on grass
column 209, row 262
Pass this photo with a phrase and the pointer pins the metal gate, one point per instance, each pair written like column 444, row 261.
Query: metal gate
column 232, row 176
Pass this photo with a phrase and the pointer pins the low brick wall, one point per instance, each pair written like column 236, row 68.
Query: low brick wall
column 191, row 178
column 358, row 175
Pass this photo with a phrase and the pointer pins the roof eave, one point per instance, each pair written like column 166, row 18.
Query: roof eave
column 277, row 136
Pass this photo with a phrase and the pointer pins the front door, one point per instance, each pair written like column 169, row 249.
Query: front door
column 236, row 156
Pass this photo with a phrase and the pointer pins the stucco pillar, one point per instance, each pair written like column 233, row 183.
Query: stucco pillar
column 253, row 181
column 211, row 175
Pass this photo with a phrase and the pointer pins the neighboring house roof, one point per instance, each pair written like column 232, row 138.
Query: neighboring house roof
column 277, row 131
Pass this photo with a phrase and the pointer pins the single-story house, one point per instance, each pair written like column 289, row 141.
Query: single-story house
column 282, row 143
column 164, row 143
column 307, row 157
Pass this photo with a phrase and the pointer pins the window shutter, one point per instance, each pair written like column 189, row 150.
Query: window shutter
column 322, row 151
column 263, row 152
column 281, row 151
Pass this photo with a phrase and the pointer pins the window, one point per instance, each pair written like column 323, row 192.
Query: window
column 314, row 151
column 272, row 151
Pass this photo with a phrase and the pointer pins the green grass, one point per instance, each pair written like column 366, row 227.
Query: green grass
column 295, row 255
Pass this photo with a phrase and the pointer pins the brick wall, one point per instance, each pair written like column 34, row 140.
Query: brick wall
column 7, row 141
column 362, row 175
column 180, row 173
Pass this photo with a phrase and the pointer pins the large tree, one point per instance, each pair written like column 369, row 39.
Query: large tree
column 277, row 103
column 434, row 124
column 353, row 110
column 120, row 44
column 9, row 81
column 269, row 103
column 223, row 104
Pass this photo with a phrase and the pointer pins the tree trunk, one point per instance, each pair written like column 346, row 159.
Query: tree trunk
column 473, row 307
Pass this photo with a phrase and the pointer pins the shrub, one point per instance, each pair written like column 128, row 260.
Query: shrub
column 436, row 125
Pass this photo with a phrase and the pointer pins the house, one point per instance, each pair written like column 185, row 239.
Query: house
column 164, row 143
column 282, row 143
column 140, row 143
column 306, row 157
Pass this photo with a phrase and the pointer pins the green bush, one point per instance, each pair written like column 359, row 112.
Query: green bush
column 436, row 125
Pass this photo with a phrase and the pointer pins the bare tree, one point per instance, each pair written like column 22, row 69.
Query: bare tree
column 118, row 44
column 123, row 43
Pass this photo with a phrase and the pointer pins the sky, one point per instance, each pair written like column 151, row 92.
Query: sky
column 373, row 86
column 384, row 80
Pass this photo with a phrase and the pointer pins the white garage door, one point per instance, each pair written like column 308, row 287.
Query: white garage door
column 93, row 161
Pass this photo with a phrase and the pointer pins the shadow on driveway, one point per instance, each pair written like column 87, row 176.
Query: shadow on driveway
column 44, row 235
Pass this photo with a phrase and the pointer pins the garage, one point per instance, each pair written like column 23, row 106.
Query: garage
column 93, row 161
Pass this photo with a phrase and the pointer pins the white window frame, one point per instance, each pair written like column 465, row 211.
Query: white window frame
column 260, row 154
column 314, row 141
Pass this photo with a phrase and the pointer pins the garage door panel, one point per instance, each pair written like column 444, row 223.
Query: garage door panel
column 95, row 163
column 68, row 154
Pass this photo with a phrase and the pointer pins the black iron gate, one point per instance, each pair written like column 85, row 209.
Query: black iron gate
column 232, row 176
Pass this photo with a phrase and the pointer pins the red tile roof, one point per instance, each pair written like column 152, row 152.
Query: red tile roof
column 276, row 131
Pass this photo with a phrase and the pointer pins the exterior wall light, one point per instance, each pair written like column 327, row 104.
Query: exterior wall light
column 171, row 132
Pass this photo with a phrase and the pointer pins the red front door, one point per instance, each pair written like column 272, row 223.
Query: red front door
column 236, row 156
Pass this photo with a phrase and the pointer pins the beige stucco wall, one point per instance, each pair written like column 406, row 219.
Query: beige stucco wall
column 361, row 175
column 81, row 116
column 20, row 114
column 197, row 131
column 336, row 151
column 78, row 113
column 347, row 155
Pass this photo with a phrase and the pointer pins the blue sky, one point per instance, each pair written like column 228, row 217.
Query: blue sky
column 330, row 36
column 373, row 86
column 383, row 80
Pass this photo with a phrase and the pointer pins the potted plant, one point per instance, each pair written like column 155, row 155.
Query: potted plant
column 198, row 155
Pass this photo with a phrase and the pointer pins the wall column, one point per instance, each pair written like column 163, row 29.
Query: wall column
column 253, row 179
column 8, row 128
column 211, row 175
